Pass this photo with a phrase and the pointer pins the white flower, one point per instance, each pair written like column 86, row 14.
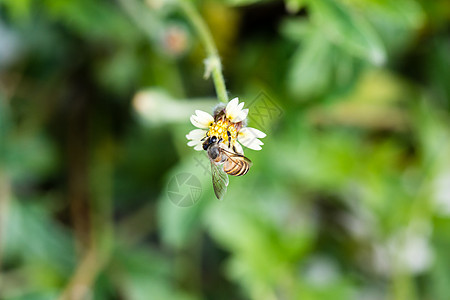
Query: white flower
column 228, row 124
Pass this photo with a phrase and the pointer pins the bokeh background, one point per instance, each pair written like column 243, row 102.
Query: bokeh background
column 349, row 198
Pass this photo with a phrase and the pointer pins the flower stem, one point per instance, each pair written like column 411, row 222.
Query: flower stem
column 213, row 64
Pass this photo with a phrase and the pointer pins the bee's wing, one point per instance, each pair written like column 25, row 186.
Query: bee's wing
column 219, row 180
column 233, row 155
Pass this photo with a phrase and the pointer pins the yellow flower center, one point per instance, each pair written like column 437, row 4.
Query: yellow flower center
column 225, row 130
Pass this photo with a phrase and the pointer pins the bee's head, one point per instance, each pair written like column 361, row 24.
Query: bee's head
column 209, row 141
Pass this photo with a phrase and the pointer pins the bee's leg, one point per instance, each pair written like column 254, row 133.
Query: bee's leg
column 207, row 134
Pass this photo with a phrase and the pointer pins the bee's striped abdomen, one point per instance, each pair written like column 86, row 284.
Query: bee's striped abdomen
column 238, row 167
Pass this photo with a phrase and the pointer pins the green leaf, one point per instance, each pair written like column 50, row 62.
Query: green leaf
column 30, row 155
column 20, row 9
column 294, row 6
column 311, row 71
column 295, row 29
column 244, row 2
column 265, row 236
column 405, row 12
column 96, row 20
column 144, row 272
column 180, row 220
column 347, row 28
column 32, row 234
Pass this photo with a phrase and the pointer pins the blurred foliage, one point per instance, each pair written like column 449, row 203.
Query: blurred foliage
column 349, row 198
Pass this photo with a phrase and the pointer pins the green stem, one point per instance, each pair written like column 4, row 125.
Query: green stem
column 5, row 198
column 213, row 64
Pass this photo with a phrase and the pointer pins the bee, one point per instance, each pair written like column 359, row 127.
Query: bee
column 224, row 162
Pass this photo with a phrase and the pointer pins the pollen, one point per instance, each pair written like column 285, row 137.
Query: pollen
column 225, row 130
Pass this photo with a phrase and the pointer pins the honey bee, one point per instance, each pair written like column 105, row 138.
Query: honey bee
column 224, row 162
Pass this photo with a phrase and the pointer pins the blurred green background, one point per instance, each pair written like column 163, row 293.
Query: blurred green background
column 349, row 198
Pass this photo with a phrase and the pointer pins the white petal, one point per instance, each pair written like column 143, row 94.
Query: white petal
column 232, row 109
column 239, row 148
column 204, row 116
column 248, row 142
column 253, row 146
column 193, row 143
column 196, row 123
column 201, row 119
column 231, row 114
column 232, row 104
column 241, row 105
column 251, row 132
column 196, row 134
column 241, row 116
column 197, row 144
column 251, row 142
